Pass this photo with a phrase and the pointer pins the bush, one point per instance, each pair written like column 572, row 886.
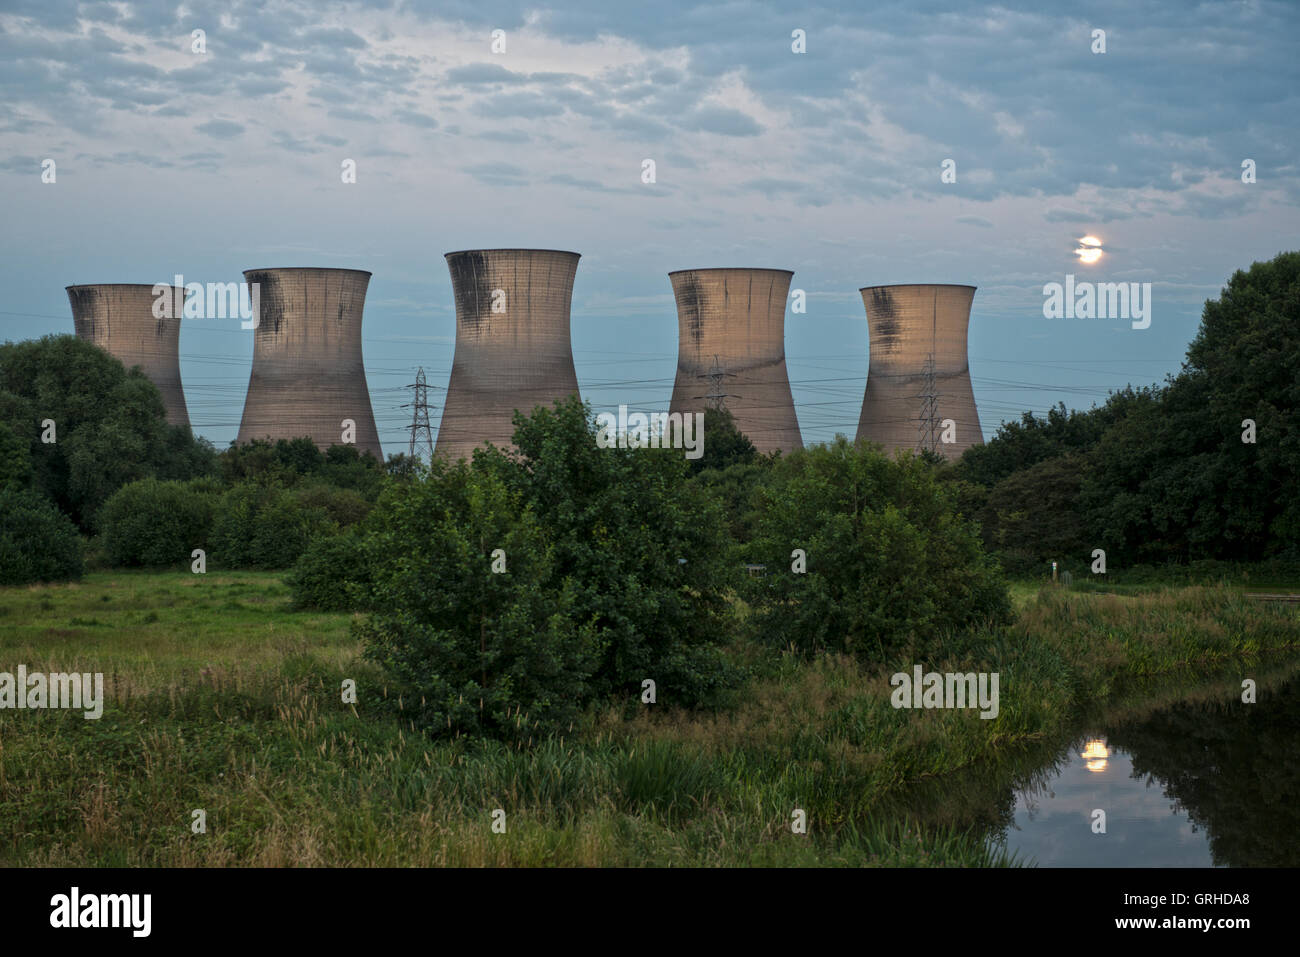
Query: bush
column 344, row 506
column 38, row 543
column 615, row 570
column 475, row 651
column 152, row 523
column 263, row 526
column 111, row 426
column 888, row 558
column 332, row 574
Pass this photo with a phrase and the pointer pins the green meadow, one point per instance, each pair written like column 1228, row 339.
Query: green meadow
column 220, row 697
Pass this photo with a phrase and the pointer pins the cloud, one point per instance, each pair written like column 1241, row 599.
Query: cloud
column 498, row 174
column 722, row 120
column 221, row 129
column 1066, row 216
column 414, row 118
column 479, row 74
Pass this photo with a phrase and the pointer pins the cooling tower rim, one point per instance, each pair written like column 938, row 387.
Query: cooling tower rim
column 462, row 252
column 118, row 285
column 678, row 272
column 931, row 285
column 363, row 272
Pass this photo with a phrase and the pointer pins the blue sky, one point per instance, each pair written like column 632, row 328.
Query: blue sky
column 826, row 163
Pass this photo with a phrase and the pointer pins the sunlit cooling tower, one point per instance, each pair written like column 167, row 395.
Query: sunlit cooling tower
column 119, row 318
column 731, row 351
column 512, row 343
column 918, row 376
column 308, row 376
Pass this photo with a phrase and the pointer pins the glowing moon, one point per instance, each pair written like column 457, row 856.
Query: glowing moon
column 1089, row 250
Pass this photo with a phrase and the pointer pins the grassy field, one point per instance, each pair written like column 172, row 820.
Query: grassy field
column 222, row 698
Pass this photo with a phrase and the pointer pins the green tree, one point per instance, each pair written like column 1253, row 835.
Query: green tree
column 38, row 543
column 109, row 424
column 645, row 550
column 153, row 523
column 724, row 444
column 888, row 559
column 264, row 526
column 477, row 651
column 615, row 572
column 1035, row 512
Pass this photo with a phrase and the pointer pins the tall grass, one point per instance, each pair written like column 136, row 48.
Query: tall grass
column 223, row 699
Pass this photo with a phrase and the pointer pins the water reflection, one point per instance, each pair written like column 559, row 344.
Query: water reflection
column 1187, row 774
column 1056, row 824
column 1094, row 754
column 1203, row 782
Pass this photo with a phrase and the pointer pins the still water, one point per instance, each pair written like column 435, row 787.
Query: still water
column 1054, row 822
column 1206, row 781
column 1188, row 775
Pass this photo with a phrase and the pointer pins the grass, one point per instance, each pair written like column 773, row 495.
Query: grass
column 222, row 698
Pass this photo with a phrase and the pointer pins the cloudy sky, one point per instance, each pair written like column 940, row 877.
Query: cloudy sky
column 827, row 163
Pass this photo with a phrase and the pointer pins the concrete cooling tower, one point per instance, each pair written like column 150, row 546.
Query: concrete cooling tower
column 512, row 343
column 918, row 374
column 731, row 351
column 307, row 375
column 119, row 318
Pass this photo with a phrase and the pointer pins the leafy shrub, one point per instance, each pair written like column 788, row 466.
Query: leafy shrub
column 344, row 506
column 263, row 526
column 475, row 651
column 38, row 543
column 151, row 523
column 111, row 425
column 332, row 574
column 615, row 572
column 888, row 558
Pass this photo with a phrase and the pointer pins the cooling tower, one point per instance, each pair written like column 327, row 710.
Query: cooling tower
column 731, row 351
column 119, row 318
column 918, row 374
column 307, row 375
column 512, row 343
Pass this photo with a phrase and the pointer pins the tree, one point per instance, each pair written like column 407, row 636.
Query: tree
column 646, row 551
column 38, row 543
column 477, row 651
column 153, row 523
column 724, row 444
column 110, row 426
column 1035, row 513
column 538, row 579
column 1172, row 479
column 886, row 558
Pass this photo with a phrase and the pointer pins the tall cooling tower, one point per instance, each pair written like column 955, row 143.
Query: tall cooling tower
column 731, row 351
column 307, row 375
column 512, row 343
column 119, row 318
column 918, row 374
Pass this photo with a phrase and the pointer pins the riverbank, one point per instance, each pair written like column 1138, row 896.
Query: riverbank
column 222, row 699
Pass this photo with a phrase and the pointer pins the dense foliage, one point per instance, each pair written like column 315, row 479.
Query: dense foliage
column 333, row 573
column 153, row 523
column 1162, row 474
column 863, row 554
column 38, row 543
column 610, row 570
column 109, row 424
